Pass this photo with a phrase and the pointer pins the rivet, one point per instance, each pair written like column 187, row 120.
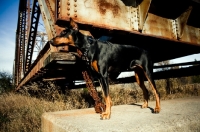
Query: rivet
column 75, row 0
column 68, row 13
column 68, row 8
column 75, row 15
column 75, row 5
column 68, row 3
column 75, row 10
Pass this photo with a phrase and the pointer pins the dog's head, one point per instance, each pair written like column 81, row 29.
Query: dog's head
column 67, row 37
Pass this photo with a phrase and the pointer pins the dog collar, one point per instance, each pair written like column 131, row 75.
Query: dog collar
column 90, row 41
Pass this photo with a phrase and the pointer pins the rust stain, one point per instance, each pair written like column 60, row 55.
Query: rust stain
column 104, row 5
column 94, row 65
column 158, row 26
column 79, row 53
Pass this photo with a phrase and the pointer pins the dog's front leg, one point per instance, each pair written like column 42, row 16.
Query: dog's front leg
column 105, row 87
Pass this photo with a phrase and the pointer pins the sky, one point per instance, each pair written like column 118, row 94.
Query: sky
column 8, row 26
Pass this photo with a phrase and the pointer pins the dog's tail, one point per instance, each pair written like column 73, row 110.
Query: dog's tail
column 135, row 63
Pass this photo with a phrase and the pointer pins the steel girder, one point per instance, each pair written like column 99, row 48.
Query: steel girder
column 32, row 34
column 20, row 41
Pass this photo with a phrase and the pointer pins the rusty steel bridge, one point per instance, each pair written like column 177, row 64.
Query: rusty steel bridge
column 167, row 28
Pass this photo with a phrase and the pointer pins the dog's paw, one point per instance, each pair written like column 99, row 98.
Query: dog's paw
column 145, row 105
column 157, row 110
column 105, row 116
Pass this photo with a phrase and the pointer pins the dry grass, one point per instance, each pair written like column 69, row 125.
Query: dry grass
column 22, row 113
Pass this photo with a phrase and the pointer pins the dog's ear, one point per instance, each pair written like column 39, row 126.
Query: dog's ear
column 73, row 24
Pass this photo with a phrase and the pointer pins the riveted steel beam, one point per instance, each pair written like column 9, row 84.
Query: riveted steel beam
column 181, row 22
column 20, row 41
column 48, row 15
column 32, row 34
column 142, row 13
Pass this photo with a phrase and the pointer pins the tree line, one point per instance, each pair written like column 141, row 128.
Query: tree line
column 5, row 82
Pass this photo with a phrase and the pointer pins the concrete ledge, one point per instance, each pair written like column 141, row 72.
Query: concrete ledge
column 176, row 115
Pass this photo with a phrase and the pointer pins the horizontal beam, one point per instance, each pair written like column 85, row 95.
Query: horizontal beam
column 178, row 64
column 149, row 17
column 174, row 73
column 60, row 57
column 35, row 67
column 44, row 61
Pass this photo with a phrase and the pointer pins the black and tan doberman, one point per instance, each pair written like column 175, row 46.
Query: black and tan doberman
column 106, row 58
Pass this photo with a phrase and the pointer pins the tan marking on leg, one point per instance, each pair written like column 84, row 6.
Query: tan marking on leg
column 107, row 113
column 140, row 80
column 94, row 65
column 157, row 108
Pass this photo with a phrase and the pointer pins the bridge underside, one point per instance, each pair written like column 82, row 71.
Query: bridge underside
column 167, row 29
column 64, row 67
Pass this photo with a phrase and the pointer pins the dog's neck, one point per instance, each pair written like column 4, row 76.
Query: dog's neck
column 83, row 42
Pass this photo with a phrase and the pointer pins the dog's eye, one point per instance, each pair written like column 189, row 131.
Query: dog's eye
column 63, row 32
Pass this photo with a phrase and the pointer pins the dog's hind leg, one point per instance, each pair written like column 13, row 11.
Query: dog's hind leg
column 139, row 76
column 148, row 70
column 105, row 87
